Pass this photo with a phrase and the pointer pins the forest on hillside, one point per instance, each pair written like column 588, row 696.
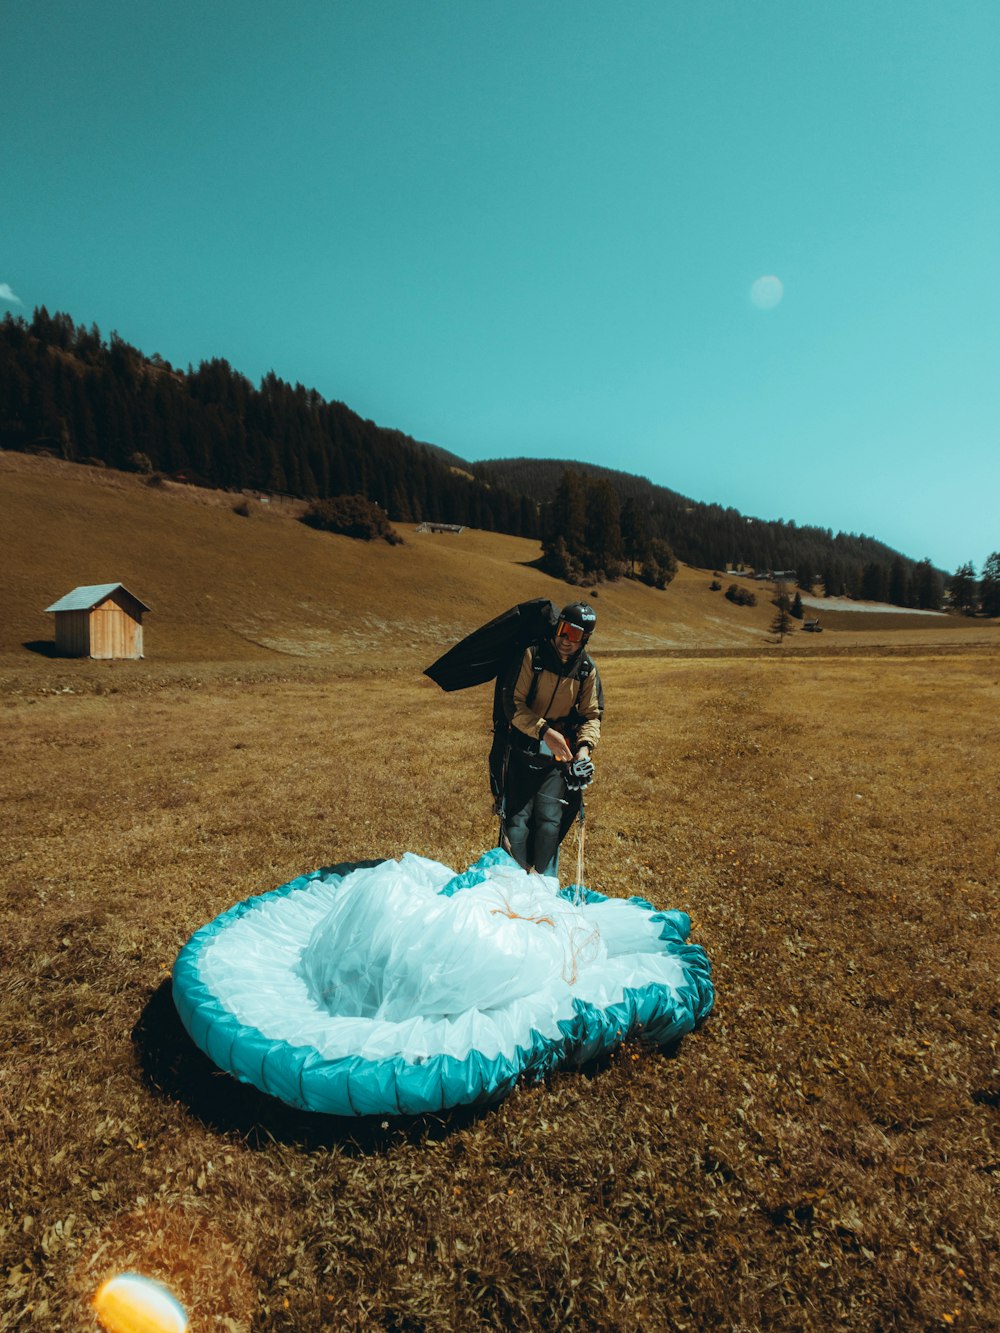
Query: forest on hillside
column 66, row 390
column 709, row 536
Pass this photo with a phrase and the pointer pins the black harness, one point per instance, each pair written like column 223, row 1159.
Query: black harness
column 507, row 738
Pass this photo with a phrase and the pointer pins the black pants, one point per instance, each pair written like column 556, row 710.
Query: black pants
column 539, row 809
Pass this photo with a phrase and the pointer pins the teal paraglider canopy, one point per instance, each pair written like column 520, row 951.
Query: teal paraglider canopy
column 403, row 988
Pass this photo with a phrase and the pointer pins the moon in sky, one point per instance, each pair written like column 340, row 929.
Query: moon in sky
column 767, row 292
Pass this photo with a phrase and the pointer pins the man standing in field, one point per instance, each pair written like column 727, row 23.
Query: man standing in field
column 548, row 721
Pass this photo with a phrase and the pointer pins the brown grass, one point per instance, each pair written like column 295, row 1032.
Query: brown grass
column 822, row 1154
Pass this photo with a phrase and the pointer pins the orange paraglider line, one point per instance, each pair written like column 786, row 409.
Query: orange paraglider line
column 509, row 912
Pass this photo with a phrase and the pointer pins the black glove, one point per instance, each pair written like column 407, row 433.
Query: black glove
column 579, row 774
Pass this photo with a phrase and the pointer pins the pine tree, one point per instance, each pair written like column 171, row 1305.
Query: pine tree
column 899, row 590
column 782, row 622
column 528, row 517
column 567, row 516
column 927, row 586
column 874, row 582
column 963, row 589
column 854, row 579
column 399, row 507
column 989, row 586
column 635, row 531
column 659, row 565
column 603, row 529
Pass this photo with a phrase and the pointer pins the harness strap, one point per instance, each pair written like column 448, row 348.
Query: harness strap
column 581, row 673
column 503, row 840
column 536, row 671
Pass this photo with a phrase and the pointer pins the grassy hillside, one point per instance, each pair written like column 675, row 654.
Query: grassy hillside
column 267, row 589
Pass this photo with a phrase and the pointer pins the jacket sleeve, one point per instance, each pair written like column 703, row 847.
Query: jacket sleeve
column 590, row 706
column 515, row 700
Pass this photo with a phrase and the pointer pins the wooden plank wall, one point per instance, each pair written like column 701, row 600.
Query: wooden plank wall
column 73, row 633
column 114, row 633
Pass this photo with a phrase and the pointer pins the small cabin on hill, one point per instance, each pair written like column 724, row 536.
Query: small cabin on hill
column 101, row 620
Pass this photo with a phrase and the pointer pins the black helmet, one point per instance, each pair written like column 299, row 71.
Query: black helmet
column 580, row 616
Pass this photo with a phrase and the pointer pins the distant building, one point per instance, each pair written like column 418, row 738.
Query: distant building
column 101, row 620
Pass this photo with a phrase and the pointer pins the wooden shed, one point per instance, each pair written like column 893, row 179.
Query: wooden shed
column 99, row 620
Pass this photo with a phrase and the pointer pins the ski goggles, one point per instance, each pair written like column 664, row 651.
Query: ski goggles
column 564, row 630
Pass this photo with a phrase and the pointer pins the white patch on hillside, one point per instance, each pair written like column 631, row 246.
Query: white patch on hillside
column 848, row 604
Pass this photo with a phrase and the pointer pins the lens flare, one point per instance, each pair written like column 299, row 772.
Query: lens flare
column 131, row 1303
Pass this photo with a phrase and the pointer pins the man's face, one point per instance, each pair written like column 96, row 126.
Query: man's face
column 567, row 640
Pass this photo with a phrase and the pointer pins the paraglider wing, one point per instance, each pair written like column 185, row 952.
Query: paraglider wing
column 402, row 988
column 481, row 655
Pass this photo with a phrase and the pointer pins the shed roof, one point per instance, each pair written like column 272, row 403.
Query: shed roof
column 85, row 598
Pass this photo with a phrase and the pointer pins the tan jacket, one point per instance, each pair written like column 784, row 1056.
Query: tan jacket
column 554, row 700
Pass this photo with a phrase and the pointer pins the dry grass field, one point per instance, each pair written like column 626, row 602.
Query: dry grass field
column 822, row 1154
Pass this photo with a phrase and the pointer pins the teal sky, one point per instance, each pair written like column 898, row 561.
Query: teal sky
column 533, row 228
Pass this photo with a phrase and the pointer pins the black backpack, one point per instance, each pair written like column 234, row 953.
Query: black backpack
column 486, row 652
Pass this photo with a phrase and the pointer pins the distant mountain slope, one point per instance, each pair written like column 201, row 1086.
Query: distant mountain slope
column 448, row 458
column 710, row 536
column 266, row 589
column 542, row 476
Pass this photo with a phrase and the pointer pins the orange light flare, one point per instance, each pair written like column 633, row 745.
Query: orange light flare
column 131, row 1303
